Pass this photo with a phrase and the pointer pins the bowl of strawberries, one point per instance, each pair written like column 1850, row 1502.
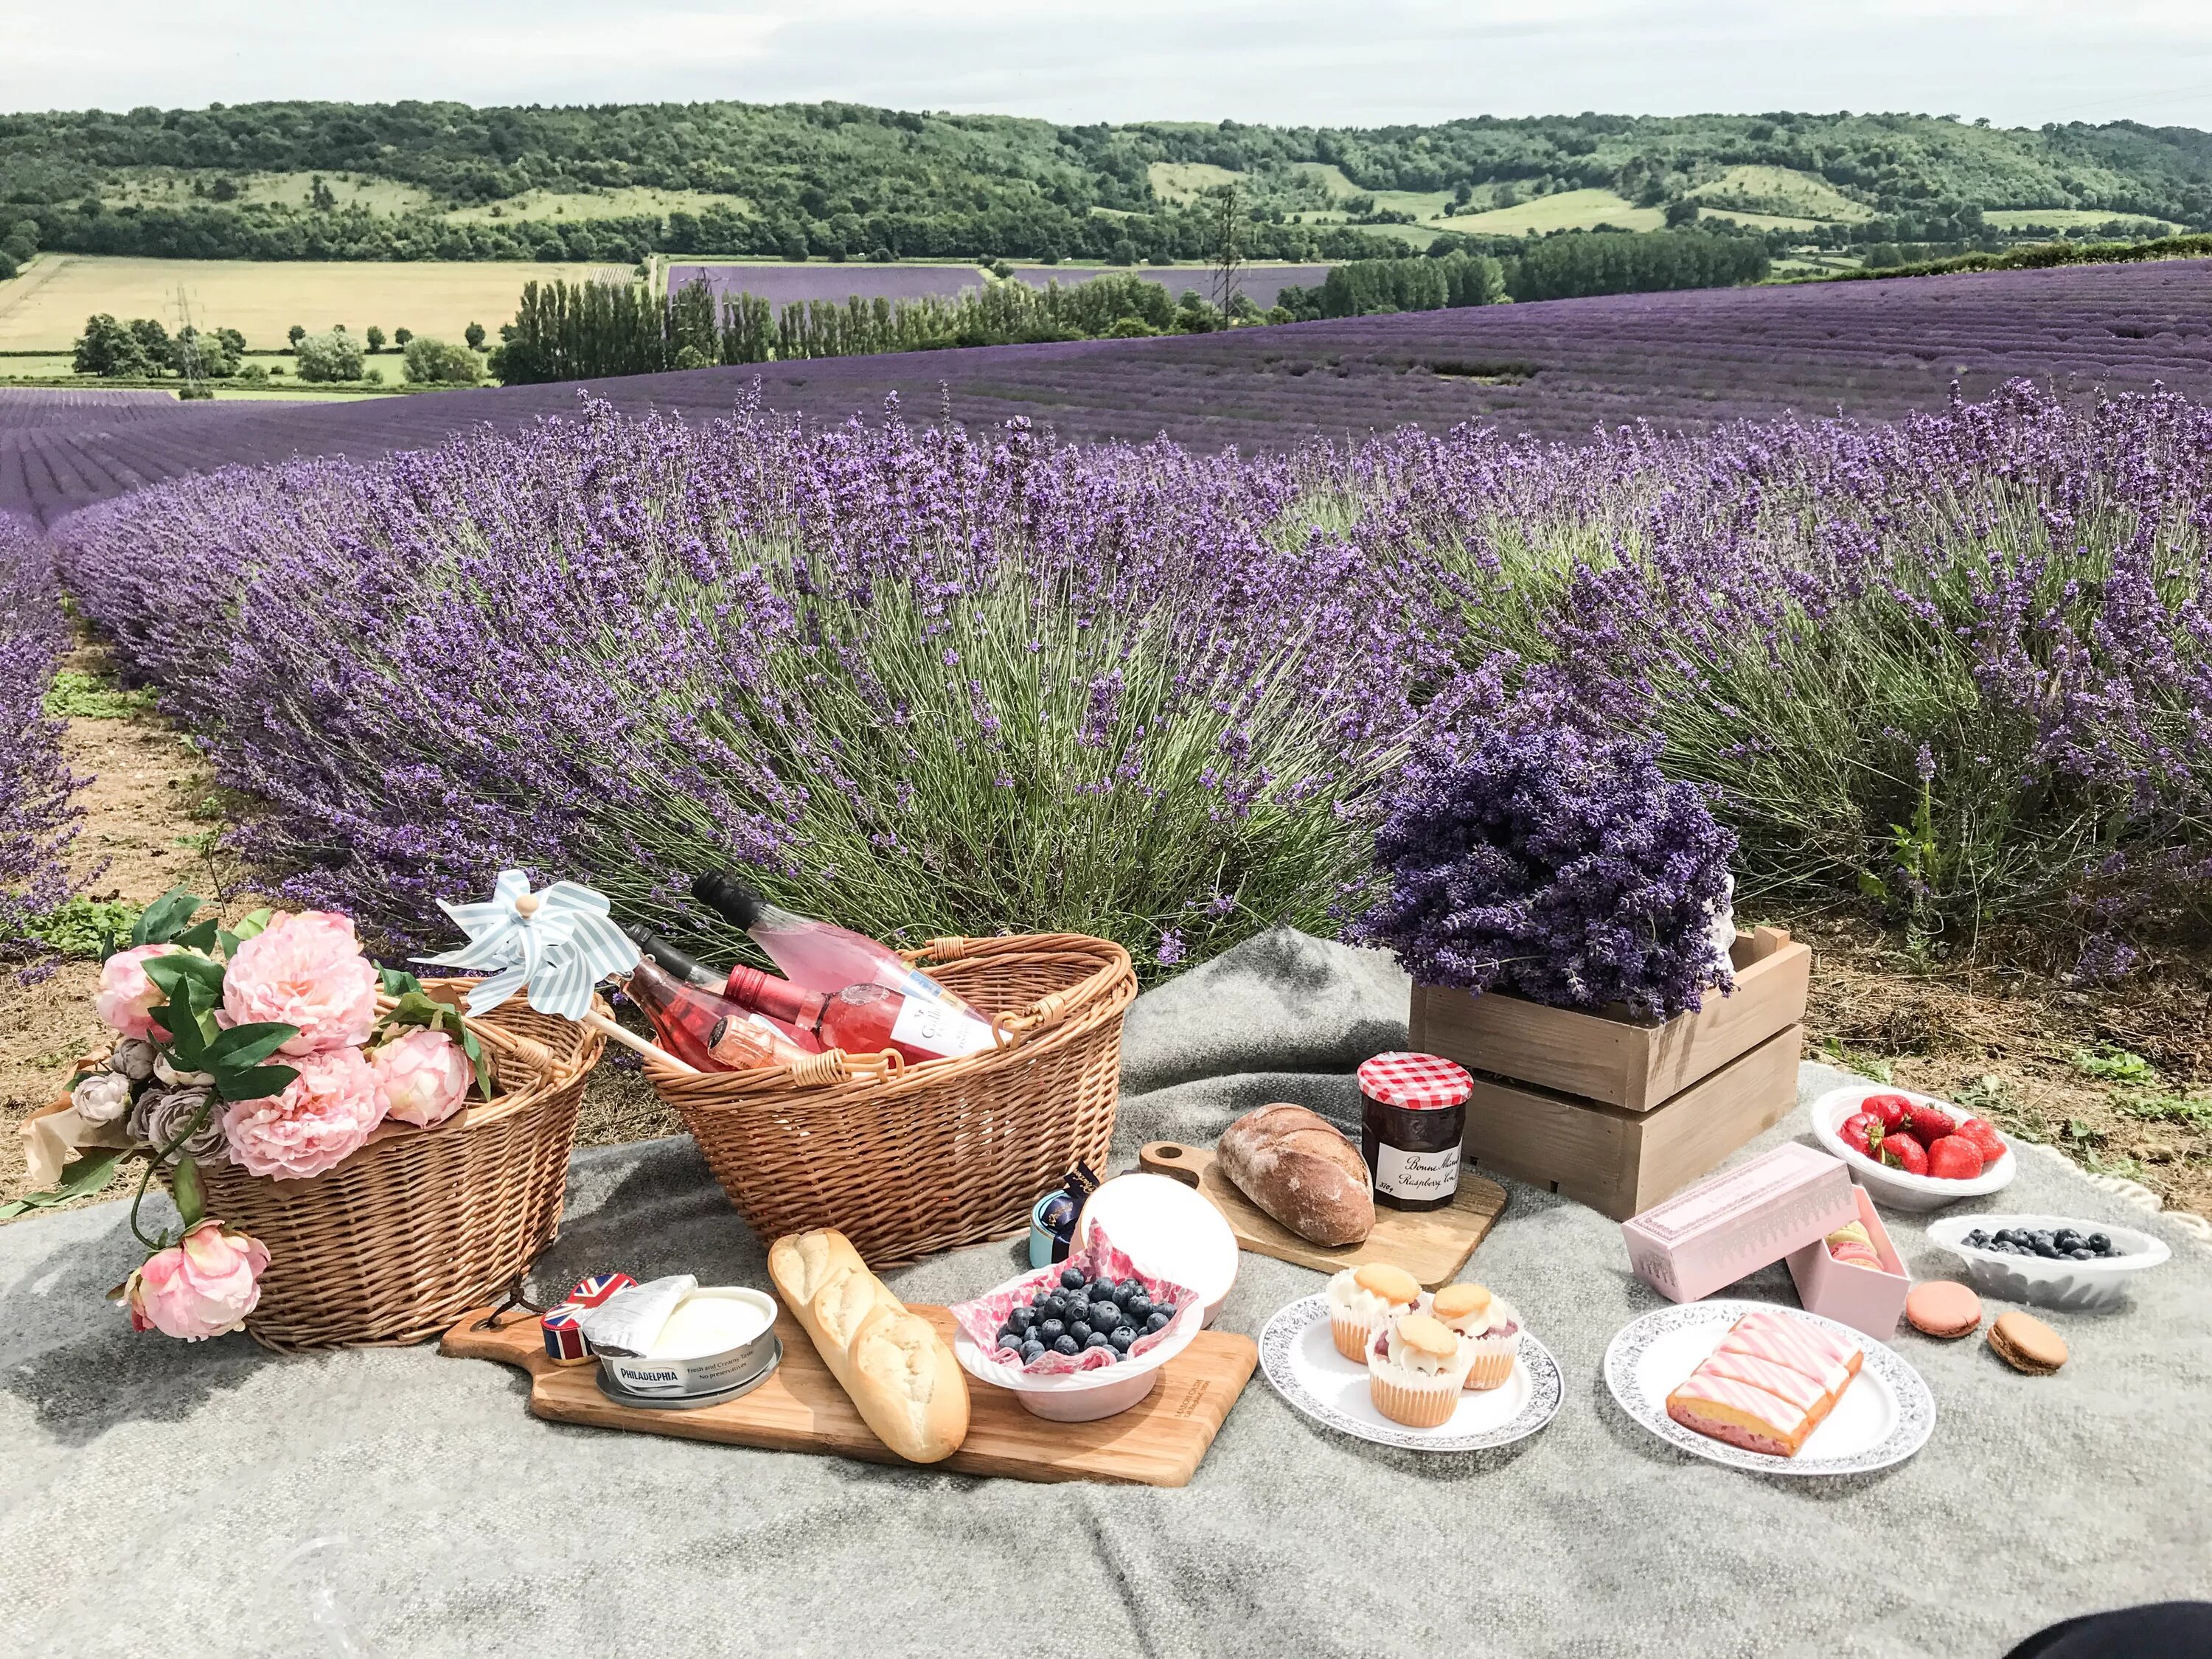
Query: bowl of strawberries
column 1911, row 1152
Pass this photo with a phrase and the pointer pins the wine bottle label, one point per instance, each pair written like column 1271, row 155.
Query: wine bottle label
column 935, row 1029
column 1416, row 1175
column 918, row 987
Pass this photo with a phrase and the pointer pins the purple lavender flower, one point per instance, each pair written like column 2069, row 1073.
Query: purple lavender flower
column 38, row 813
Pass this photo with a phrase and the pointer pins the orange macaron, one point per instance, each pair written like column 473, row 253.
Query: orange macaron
column 1944, row 1308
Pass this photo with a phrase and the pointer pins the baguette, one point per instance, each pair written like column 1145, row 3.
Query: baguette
column 1300, row 1169
column 899, row 1372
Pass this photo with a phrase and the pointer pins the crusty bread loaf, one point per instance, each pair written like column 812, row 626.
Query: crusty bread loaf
column 899, row 1374
column 1298, row 1166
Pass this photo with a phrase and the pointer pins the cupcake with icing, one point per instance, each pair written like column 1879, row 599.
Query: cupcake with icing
column 1485, row 1325
column 1363, row 1300
column 1415, row 1369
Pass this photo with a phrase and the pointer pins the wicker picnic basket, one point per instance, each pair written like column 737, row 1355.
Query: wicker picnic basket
column 420, row 1225
column 907, row 1160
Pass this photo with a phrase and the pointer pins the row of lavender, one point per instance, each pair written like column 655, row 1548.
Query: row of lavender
column 933, row 681
column 38, row 815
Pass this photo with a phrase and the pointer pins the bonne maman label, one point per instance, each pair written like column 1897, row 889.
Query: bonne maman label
column 1416, row 1175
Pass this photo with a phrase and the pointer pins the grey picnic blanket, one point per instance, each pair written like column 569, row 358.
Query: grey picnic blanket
column 159, row 1498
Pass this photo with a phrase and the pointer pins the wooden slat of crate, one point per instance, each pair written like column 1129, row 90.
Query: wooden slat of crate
column 1616, row 1059
column 1620, row 1162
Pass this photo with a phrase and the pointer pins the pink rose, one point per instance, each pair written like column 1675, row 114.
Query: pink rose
column 127, row 997
column 305, row 971
column 201, row 1286
column 321, row 1118
column 421, row 1076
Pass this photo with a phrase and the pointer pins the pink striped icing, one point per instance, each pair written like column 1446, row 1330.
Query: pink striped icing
column 1786, row 1421
column 1801, row 1348
column 1799, row 1389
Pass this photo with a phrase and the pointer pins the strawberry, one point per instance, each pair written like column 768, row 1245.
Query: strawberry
column 1902, row 1151
column 1891, row 1110
column 1861, row 1132
column 1954, row 1157
column 1930, row 1124
column 1984, row 1133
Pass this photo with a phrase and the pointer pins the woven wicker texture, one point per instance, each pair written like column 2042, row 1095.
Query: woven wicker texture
column 420, row 1225
column 908, row 1160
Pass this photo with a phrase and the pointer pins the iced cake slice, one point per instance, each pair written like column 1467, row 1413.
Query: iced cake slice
column 1771, row 1382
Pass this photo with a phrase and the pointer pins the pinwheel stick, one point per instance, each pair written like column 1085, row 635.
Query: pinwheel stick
column 615, row 1033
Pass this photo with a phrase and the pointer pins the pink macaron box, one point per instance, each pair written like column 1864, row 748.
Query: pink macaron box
column 1860, row 1297
column 1738, row 1221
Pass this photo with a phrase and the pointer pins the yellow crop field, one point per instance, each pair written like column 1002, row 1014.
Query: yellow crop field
column 1764, row 190
column 1756, row 220
column 44, row 309
column 1570, row 210
column 2063, row 218
column 534, row 205
column 1181, row 181
column 174, row 186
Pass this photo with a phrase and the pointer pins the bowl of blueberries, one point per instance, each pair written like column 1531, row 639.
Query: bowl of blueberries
column 1039, row 1331
column 2051, row 1261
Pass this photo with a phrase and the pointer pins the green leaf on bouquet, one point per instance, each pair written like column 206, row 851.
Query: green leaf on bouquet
column 253, row 1082
column 242, row 1046
column 255, row 921
column 80, row 1177
column 398, row 981
column 192, row 1197
column 166, row 917
column 200, row 937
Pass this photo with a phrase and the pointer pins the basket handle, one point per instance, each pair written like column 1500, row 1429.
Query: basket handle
column 830, row 1067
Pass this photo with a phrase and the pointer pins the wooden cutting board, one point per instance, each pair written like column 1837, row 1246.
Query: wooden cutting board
column 801, row 1408
column 1432, row 1245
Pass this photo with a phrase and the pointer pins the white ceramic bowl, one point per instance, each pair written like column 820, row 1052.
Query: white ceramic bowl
column 2074, row 1286
column 1895, row 1187
column 1082, row 1396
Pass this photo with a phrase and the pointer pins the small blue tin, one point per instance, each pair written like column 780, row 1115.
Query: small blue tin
column 1041, row 1239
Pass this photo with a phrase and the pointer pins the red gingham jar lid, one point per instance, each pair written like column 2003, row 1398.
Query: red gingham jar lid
column 1418, row 1082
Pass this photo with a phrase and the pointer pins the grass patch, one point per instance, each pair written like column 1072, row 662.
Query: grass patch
column 1183, row 181
column 2113, row 1065
column 87, row 929
column 1570, row 210
column 1779, row 192
column 76, row 695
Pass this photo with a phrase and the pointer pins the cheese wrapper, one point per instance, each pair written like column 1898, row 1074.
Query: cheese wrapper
column 628, row 1319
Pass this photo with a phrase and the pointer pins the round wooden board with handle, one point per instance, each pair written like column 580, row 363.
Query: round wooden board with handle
column 1432, row 1245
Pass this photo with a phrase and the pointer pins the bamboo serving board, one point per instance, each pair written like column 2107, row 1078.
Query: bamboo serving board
column 801, row 1408
column 1432, row 1245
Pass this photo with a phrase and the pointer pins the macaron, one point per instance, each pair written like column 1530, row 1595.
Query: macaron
column 1427, row 1336
column 1944, row 1308
column 2026, row 1344
column 1394, row 1284
column 1459, row 1302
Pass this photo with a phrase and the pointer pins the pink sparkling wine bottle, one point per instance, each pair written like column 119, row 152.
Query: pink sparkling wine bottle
column 820, row 956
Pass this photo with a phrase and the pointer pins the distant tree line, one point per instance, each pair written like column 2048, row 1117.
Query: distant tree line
column 1364, row 288
column 2039, row 256
column 582, row 330
column 1568, row 265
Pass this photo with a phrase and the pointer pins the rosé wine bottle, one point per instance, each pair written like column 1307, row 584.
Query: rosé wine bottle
column 693, row 973
column 707, row 1031
column 819, row 955
column 867, row 1018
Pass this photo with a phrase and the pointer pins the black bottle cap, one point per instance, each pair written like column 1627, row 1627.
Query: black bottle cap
column 719, row 890
column 664, row 953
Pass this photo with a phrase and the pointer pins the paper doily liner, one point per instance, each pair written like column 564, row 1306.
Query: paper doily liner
column 986, row 1316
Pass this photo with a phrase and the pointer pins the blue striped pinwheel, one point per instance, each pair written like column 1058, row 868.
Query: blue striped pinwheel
column 557, row 945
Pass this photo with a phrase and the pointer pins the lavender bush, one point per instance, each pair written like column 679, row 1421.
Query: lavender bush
column 1563, row 868
column 923, row 682
column 38, row 817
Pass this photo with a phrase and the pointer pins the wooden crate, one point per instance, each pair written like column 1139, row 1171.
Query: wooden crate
column 1613, row 1059
column 1619, row 1162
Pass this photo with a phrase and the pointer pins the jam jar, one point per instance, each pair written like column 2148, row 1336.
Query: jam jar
column 1413, row 1116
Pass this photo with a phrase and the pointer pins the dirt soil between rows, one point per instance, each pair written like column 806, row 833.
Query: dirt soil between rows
column 2116, row 1077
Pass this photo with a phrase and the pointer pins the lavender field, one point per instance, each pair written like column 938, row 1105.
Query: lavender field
column 935, row 680
column 1681, row 361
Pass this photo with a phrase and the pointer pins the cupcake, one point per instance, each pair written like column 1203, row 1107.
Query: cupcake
column 1486, row 1327
column 1362, row 1300
column 1415, row 1368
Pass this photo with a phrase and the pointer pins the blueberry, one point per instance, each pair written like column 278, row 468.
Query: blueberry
column 2049, row 1251
column 1102, row 1290
column 1977, row 1238
column 1104, row 1315
column 1138, row 1307
column 1070, row 1278
column 2100, row 1242
column 1032, row 1350
column 1066, row 1344
column 2082, row 1253
column 1051, row 1330
column 1020, row 1319
column 1080, row 1330
column 1155, row 1321
column 1010, row 1339
column 1121, row 1337
column 1097, row 1340
column 1123, row 1291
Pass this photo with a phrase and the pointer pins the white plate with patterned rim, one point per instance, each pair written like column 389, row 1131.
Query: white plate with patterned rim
column 1885, row 1416
column 1301, row 1360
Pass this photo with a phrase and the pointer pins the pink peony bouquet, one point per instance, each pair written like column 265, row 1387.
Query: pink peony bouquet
column 275, row 1046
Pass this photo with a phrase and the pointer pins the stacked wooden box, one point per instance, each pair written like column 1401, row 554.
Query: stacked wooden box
column 1615, row 1113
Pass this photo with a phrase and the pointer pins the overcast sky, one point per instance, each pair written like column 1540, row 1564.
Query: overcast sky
column 1341, row 61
